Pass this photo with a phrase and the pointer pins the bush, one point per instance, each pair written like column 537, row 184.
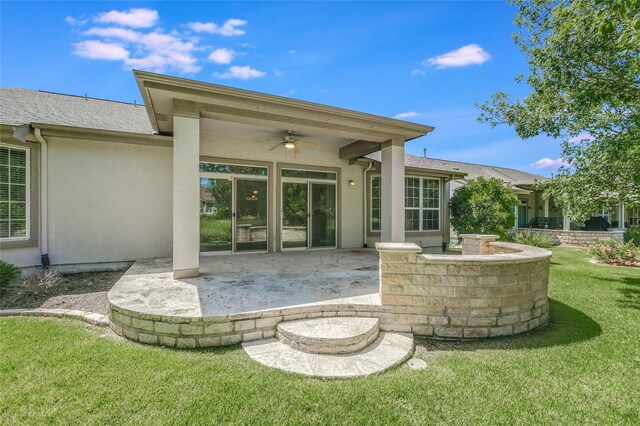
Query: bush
column 9, row 274
column 483, row 206
column 632, row 235
column 529, row 238
column 616, row 254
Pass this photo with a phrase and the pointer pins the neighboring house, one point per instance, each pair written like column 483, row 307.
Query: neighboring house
column 89, row 181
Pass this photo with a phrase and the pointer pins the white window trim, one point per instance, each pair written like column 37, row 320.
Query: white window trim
column 421, row 209
column 371, row 202
column 27, row 195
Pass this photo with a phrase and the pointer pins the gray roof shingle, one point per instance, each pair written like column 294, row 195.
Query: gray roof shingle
column 23, row 106
column 472, row 170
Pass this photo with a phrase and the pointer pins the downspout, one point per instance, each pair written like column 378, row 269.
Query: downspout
column 364, row 203
column 44, row 199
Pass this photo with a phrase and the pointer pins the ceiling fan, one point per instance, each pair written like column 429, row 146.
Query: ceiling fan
column 289, row 141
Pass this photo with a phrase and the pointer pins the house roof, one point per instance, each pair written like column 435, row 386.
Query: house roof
column 512, row 176
column 23, row 106
column 218, row 102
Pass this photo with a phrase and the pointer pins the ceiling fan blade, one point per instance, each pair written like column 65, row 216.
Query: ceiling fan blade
column 275, row 146
column 296, row 149
column 309, row 144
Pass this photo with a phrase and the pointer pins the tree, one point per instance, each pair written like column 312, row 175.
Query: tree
column 483, row 206
column 584, row 62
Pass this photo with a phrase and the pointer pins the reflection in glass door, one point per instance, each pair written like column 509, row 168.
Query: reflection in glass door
column 323, row 215
column 251, row 215
column 215, row 214
column 294, row 215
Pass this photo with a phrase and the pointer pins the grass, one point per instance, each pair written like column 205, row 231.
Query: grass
column 582, row 369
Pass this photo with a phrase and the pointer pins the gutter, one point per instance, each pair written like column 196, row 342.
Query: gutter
column 364, row 203
column 44, row 198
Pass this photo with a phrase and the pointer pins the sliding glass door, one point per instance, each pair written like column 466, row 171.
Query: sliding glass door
column 308, row 210
column 233, row 208
column 294, row 215
column 323, row 215
column 251, row 215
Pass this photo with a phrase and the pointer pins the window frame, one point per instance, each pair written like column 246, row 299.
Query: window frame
column 421, row 209
column 27, row 195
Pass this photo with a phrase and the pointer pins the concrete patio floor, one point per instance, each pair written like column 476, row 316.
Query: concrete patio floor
column 235, row 284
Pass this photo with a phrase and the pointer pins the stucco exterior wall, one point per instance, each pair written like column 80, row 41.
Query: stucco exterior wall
column 108, row 202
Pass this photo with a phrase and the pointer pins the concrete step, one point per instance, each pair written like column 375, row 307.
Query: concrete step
column 387, row 350
column 331, row 335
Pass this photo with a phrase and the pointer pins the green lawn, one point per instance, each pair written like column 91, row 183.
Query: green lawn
column 584, row 368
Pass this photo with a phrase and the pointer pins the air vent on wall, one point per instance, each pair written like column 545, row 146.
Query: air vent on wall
column 161, row 117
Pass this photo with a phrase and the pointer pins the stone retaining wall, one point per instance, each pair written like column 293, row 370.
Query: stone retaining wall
column 502, row 291
column 578, row 238
column 494, row 289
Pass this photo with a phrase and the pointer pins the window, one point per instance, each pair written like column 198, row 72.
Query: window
column 308, row 174
column 603, row 213
column 231, row 168
column 421, row 204
column 634, row 216
column 376, row 212
column 14, row 202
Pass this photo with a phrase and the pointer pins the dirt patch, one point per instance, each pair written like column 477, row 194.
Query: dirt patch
column 85, row 291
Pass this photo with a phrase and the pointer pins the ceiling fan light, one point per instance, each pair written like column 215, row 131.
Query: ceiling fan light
column 289, row 145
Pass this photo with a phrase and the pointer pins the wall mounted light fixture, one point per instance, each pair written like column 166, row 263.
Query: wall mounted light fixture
column 352, row 183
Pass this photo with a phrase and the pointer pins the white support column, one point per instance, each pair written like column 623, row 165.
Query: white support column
column 392, row 229
column 186, row 191
column 621, row 216
column 546, row 207
column 566, row 223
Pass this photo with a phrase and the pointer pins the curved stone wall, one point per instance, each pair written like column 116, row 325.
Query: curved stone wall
column 493, row 289
column 500, row 292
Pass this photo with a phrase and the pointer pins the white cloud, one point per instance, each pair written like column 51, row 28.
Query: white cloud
column 582, row 137
column 228, row 29
column 418, row 72
column 135, row 18
column 409, row 114
column 471, row 54
column 93, row 49
column 113, row 32
column 75, row 21
column 242, row 73
column 293, row 52
column 222, row 56
column 547, row 163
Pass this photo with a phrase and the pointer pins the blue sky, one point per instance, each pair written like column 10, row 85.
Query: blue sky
column 427, row 62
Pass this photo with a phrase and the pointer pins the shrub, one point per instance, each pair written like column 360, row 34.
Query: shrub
column 632, row 235
column 9, row 274
column 483, row 206
column 616, row 254
column 529, row 238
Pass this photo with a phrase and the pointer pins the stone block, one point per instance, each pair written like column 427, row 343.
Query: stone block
column 422, row 330
column 427, row 279
column 253, row 335
column 150, row 339
column 437, row 320
column 121, row 319
column 230, row 339
column 520, row 327
column 508, row 319
column 475, row 333
column 294, row 317
column 268, row 333
column 130, row 334
column 191, row 329
column 142, row 324
column 458, row 321
column 185, row 342
column 449, row 332
column 269, row 322
column 505, row 330
column 481, row 321
column 208, row 342
column 168, row 341
column 534, row 323
column 245, row 325
column 218, row 328
column 397, row 328
column 166, row 328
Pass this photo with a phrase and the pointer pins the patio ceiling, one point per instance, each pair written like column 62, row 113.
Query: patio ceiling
column 258, row 115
